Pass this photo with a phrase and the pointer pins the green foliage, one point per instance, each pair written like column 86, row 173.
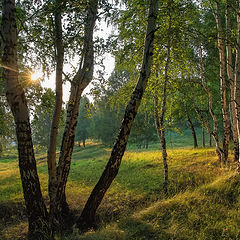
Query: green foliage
column 83, row 124
column 105, row 123
column 41, row 123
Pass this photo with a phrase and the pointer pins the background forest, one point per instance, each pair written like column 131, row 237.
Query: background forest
column 170, row 108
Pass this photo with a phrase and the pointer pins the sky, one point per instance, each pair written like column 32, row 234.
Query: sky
column 102, row 31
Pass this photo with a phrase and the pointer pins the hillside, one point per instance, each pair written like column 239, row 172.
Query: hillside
column 203, row 200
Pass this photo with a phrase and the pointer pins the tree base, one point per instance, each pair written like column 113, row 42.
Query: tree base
column 84, row 224
column 63, row 219
column 40, row 230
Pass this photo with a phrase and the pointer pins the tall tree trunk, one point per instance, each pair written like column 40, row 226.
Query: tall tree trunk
column 214, row 133
column 237, row 75
column 87, row 218
column 230, row 72
column 159, row 121
column 36, row 209
column 52, row 170
column 159, row 116
column 79, row 83
column 223, row 85
column 195, row 144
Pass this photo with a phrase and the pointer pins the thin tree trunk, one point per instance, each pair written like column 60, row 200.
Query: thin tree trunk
column 210, row 140
column 1, row 147
column 146, row 143
column 36, row 209
column 195, row 144
column 79, row 83
column 159, row 117
column 223, row 86
column 203, row 137
column 87, row 218
column 237, row 76
column 52, row 170
column 219, row 151
column 230, row 72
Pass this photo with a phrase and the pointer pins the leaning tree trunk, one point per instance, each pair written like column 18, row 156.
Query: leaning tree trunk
column 79, row 83
column 52, row 170
column 87, row 218
column 223, row 85
column 195, row 144
column 36, row 209
column 230, row 72
column 237, row 75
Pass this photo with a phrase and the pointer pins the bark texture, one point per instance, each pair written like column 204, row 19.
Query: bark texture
column 52, row 170
column 36, row 209
column 237, row 74
column 230, row 73
column 79, row 83
column 87, row 218
column 223, row 85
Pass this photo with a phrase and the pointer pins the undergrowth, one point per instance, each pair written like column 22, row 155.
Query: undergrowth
column 203, row 201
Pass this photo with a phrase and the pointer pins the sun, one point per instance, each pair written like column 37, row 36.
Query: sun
column 36, row 75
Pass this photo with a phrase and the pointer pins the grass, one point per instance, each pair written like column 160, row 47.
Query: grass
column 203, row 201
column 176, row 140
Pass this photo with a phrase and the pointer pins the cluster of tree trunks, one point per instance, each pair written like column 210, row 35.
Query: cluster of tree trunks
column 237, row 77
column 41, row 226
column 226, row 66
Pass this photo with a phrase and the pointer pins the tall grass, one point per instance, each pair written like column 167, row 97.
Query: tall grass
column 202, row 196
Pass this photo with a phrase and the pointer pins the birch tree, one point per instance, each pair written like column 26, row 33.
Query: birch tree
column 223, row 84
column 230, row 73
column 79, row 83
column 36, row 209
column 87, row 218
column 237, row 73
column 52, row 170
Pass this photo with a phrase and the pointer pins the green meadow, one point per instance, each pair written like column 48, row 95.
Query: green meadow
column 203, row 201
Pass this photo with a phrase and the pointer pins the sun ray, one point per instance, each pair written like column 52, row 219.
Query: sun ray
column 36, row 75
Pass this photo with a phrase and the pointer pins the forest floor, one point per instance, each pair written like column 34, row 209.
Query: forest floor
column 203, row 201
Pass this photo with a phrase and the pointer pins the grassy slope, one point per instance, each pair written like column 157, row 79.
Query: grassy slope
column 203, row 201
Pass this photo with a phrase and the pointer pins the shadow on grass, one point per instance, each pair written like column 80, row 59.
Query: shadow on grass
column 12, row 214
column 137, row 229
column 90, row 152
